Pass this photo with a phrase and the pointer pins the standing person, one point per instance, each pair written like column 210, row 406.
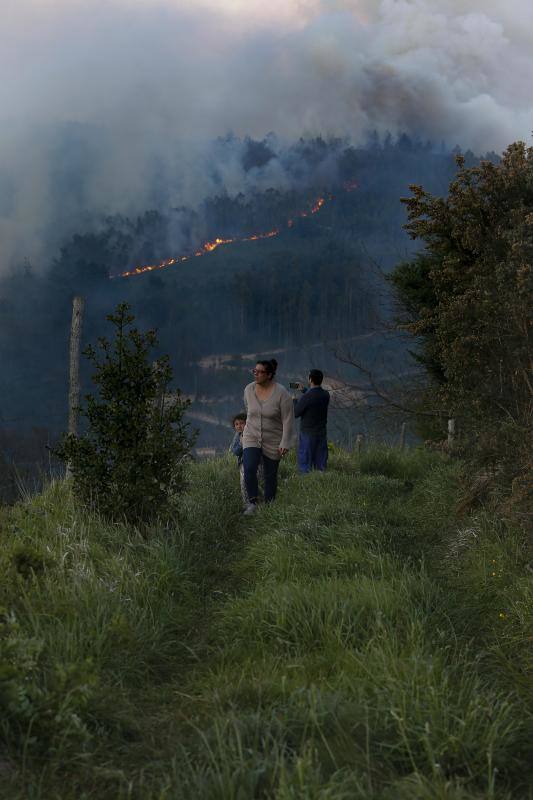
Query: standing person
column 269, row 432
column 312, row 408
column 239, row 421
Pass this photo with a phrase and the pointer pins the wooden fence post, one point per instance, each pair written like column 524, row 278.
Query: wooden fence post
column 451, row 433
column 358, row 443
column 402, row 435
column 78, row 306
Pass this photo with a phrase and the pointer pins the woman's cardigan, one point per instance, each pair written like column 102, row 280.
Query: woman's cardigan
column 269, row 424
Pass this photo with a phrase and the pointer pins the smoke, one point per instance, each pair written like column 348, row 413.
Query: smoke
column 104, row 103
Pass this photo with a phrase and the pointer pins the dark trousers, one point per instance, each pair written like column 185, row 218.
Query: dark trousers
column 312, row 453
column 252, row 457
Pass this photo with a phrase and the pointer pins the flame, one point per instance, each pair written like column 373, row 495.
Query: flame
column 208, row 247
column 256, row 236
column 318, row 205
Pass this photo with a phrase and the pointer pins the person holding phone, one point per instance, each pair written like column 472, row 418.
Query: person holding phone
column 269, row 431
column 312, row 409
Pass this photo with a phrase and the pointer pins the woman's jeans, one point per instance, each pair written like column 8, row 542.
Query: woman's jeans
column 251, row 459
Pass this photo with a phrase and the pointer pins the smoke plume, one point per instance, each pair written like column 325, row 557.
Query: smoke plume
column 113, row 107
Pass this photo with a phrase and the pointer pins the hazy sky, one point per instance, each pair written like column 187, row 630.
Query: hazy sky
column 151, row 73
column 452, row 68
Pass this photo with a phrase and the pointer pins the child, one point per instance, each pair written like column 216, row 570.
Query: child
column 238, row 422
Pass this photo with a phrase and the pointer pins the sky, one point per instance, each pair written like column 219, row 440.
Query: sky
column 156, row 80
column 455, row 68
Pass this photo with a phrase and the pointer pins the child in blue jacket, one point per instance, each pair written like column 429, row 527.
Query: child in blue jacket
column 239, row 422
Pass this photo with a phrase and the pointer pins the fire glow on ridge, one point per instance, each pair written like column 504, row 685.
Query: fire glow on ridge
column 208, row 247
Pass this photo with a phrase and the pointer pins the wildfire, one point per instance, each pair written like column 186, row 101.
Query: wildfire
column 208, row 247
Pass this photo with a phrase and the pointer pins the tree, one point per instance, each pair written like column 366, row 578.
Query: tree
column 129, row 462
column 469, row 296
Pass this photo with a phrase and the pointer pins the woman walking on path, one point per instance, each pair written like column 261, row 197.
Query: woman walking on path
column 269, row 430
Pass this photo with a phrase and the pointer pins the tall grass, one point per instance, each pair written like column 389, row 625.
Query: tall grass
column 345, row 642
column 93, row 614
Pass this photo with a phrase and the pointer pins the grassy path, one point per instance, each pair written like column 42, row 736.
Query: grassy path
column 353, row 640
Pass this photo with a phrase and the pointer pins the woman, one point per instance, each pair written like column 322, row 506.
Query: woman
column 269, row 431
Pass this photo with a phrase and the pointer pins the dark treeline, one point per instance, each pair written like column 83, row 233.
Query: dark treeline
column 313, row 283
column 308, row 299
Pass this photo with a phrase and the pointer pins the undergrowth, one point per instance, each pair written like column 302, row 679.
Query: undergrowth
column 355, row 639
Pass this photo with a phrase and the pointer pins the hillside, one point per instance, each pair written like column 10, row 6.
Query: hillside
column 357, row 639
column 314, row 283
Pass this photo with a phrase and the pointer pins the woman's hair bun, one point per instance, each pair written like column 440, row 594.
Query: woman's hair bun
column 274, row 364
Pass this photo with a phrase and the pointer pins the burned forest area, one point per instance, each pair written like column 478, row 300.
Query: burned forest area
column 297, row 271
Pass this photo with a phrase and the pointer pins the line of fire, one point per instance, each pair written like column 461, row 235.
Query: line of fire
column 208, row 247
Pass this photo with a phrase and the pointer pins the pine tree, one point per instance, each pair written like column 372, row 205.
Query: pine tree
column 129, row 462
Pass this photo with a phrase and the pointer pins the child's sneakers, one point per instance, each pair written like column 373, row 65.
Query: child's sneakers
column 250, row 509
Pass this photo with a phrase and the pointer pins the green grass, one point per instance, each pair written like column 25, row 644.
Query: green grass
column 355, row 639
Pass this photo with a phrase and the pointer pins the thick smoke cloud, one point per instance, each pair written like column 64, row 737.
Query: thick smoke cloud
column 104, row 103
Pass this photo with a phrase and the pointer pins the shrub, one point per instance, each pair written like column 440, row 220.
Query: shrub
column 129, row 461
column 467, row 298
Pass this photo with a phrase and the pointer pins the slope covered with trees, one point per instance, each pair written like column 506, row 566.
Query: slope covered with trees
column 314, row 282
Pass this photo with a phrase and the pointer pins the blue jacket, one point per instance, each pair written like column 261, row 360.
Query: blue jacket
column 236, row 447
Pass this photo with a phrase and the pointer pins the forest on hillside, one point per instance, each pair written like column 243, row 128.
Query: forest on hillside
column 317, row 281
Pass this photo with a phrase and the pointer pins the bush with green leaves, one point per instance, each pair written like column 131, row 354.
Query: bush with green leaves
column 128, row 462
column 467, row 300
